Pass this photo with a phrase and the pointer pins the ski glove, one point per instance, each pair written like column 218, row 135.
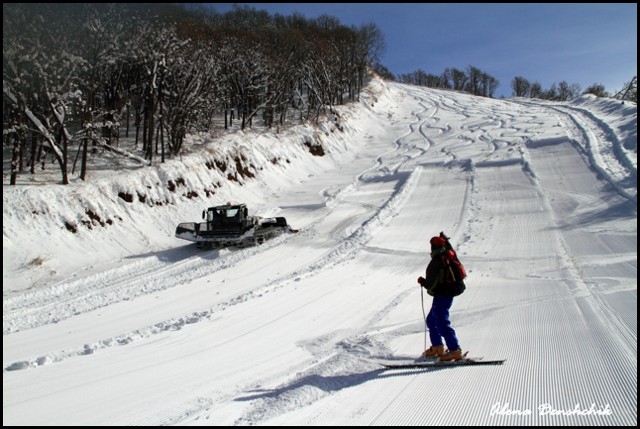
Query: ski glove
column 421, row 280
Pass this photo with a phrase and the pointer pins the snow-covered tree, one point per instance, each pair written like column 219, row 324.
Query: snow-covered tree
column 76, row 75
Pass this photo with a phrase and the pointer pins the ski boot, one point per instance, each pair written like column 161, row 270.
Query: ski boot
column 451, row 355
column 433, row 352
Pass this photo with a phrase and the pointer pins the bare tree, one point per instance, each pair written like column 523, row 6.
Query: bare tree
column 567, row 92
column 488, row 85
column 521, row 87
column 74, row 79
column 459, row 79
column 551, row 93
column 41, row 81
column 596, row 89
column 474, row 83
column 369, row 46
column 629, row 91
column 536, row 90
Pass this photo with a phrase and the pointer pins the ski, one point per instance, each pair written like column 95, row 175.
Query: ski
column 438, row 364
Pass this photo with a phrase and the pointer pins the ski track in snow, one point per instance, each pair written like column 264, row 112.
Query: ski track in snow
column 602, row 147
column 290, row 396
column 474, row 141
column 300, row 392
column 66, row 300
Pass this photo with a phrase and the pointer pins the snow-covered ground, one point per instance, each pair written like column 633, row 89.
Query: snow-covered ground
column 121, row 323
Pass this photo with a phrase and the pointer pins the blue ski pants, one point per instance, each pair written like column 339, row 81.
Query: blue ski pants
column 439, row 324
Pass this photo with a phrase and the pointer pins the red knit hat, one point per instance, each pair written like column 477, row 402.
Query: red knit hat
column 437, row 242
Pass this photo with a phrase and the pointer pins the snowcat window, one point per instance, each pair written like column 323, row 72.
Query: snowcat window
column 214, row 214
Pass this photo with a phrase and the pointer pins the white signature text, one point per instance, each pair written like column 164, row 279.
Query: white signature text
column 499, row 409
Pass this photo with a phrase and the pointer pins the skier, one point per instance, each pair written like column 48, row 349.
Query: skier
column 443, row 289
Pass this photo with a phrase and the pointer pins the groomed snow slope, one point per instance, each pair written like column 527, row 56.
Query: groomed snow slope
column 127, row 325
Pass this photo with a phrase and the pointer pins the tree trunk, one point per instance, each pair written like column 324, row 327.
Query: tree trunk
column 137, row 125
column 83, row 164
column 63, row 164
column 34, row 146
column 14, row 162
column 128, row 113
column 161, row 141
column 150, row 127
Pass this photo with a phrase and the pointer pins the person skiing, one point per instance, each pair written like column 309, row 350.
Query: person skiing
column 443, row 288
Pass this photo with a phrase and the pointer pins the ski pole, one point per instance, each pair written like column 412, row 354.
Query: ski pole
column 424, row 316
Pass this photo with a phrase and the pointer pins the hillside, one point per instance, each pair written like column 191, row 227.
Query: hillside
column 121, row 323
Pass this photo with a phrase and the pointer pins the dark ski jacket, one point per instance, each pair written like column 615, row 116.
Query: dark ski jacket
column 434, row 278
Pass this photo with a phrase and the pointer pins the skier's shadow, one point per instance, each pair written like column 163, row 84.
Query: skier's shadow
column 333, row 383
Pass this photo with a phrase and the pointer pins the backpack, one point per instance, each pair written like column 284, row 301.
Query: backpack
column 454, row 272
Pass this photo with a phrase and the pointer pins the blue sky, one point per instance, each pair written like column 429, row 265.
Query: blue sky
column 545, row 43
